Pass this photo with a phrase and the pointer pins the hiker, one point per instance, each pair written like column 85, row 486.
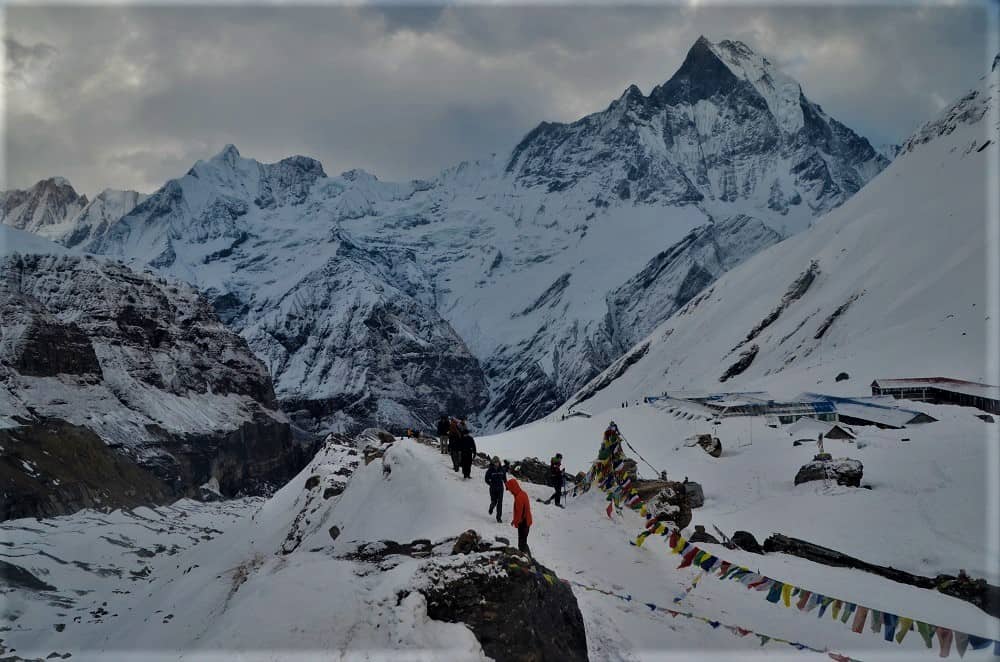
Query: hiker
column 442, row 432
column 522, row 514
column 496, row 478
column 556, row 479
column 467, row 448
column 454, row 440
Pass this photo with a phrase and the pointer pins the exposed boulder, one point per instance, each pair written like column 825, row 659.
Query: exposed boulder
column 842, row 376
column 845, row 471
column 536, row 471
column 666, row 501
column 525, row 615
column 700, row 535
column 695, row 494
column 710, row 445
column 466, row 543
column 747, row 542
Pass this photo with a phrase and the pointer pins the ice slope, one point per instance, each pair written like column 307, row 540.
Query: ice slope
column 513, row 269
column 21, row 241
column 896, row 282
column 238, row 595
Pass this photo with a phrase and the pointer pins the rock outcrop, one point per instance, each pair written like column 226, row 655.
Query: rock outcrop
column 90, row 350
column 666, row 501
column 844, row 470
column 523, row 615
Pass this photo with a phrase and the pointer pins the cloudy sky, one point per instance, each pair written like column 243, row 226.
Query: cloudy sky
column 128, row 97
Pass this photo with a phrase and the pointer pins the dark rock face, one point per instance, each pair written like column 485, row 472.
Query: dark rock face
column 380, row 353
column 176, row 398
column 741, row 364
column 522, row 617
column 526, row 397
column 15, row 576
column 844, row 470
column 71, row 468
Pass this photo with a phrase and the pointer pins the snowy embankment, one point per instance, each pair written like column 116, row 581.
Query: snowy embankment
column 239, row 594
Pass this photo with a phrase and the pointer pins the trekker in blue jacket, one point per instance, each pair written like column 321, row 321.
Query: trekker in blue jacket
column 496, row 478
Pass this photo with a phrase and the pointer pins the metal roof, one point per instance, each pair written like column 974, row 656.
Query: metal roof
column 974, row 389
column 875, row 409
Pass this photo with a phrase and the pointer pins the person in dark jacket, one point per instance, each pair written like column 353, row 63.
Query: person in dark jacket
column 522, row 514
column 556, row 479
column 454, row 443
column 467, row 446
column 442, row 432
column 496, row 478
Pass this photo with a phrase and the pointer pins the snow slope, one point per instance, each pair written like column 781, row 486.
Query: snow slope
column 896, row 282
column 508, row 277
column 238, row 595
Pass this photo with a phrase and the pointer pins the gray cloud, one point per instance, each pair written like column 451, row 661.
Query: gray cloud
column 131, row 96
column 20, row 59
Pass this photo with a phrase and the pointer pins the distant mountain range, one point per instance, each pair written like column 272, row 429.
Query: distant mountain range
column 500, row 287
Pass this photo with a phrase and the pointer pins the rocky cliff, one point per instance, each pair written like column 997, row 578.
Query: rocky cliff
column 91, row 350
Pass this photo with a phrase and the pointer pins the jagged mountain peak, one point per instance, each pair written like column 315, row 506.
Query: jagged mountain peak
column 228, row 154
column 49, row 202
column 725, row 105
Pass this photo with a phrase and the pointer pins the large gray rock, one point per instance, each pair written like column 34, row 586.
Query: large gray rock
column 710, row 445
column 521, row 617
column 844, row 470
column 666, row 501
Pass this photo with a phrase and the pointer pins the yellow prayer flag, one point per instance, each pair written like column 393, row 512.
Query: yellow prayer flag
column 902, row 628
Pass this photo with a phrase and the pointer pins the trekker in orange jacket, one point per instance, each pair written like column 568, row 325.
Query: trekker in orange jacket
column 522, row 514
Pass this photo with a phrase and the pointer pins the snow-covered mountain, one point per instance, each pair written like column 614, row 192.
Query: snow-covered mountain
column 96, row 217
column 118, row 388
column 895, row 282
column 53, row 209
column 49, row 203
column 728, row 127
column 501, row 286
